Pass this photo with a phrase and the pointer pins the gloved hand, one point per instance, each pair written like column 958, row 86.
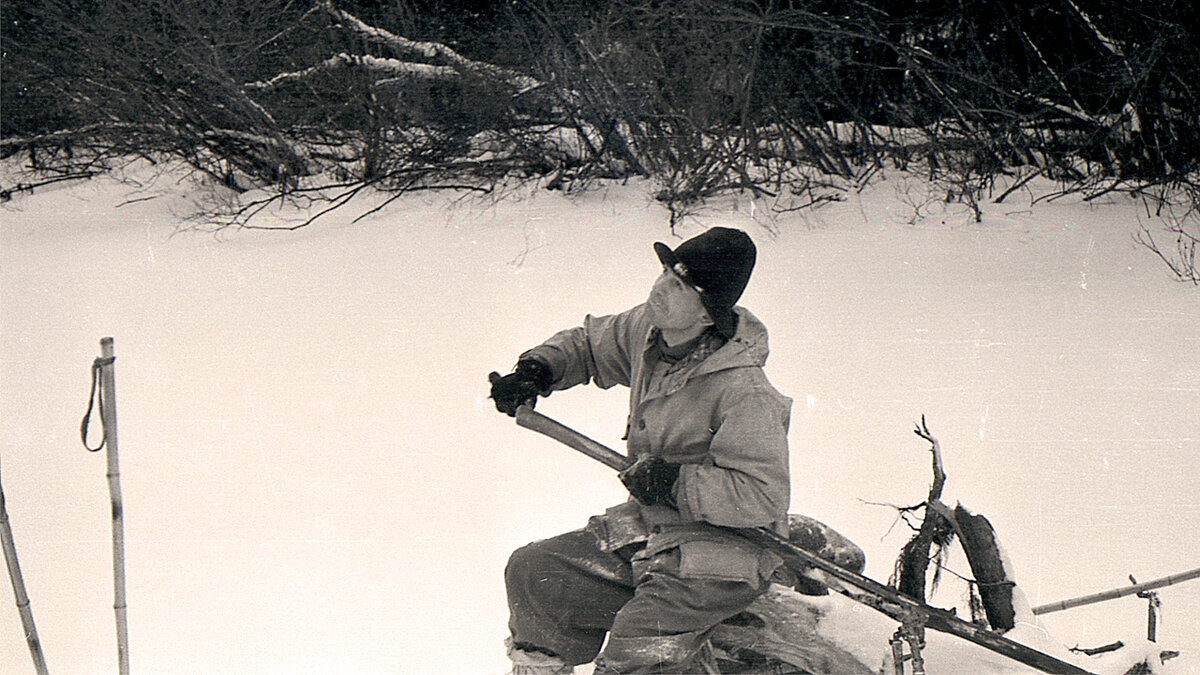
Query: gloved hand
column 650, row 480
column 523, row 385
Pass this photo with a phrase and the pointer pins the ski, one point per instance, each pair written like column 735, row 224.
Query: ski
column 873, row 594
column 891, row 602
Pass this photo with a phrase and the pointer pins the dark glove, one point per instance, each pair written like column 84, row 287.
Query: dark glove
column 650, row 480
column 530, row 378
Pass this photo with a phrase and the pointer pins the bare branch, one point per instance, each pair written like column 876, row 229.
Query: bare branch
column 936, row 528
column 1183, row 263
column 430, row 50
column 939, row 475
column 394, row 67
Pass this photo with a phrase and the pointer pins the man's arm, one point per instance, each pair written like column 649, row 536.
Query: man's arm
column 747, row 484
column 599, row 351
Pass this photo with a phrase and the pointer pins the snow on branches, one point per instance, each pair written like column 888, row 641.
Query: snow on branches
column 393, row 67
column 456, row 64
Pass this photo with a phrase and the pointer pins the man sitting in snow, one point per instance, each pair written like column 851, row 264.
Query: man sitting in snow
column 709, row 435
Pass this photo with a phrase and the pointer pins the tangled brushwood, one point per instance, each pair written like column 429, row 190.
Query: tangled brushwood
column 783, row 98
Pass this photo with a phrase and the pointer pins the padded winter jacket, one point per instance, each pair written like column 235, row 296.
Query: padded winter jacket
column 718, row 417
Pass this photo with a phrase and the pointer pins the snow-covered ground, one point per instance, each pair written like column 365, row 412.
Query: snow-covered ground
column 315, row 481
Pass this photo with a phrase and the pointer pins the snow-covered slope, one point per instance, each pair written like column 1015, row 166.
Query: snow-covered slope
column 315, row 482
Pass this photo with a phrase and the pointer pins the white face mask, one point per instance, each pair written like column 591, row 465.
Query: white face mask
column 675, row 307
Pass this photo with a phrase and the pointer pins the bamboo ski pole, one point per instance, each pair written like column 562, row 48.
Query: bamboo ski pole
column 1117, row 592
column 108, row 413
column 18, row 584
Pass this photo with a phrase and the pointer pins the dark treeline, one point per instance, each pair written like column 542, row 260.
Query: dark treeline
column 701, row 95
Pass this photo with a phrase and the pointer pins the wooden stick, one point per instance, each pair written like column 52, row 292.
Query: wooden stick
column 1117, row 593
column 108, row 388
column 18, row 584
column 535, row 421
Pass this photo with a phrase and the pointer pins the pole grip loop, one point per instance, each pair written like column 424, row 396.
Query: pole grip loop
column 95, row 400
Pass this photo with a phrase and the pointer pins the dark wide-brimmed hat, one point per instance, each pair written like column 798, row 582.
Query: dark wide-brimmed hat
column 717, row 264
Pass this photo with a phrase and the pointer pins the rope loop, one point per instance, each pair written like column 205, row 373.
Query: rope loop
column 95, row 400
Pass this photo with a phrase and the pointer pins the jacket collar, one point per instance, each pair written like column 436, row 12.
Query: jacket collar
column 747, row 348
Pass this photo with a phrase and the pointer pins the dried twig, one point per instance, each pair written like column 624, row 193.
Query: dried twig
column 939, row 475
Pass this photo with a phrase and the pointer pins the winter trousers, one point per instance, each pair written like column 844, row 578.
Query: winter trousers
column 565, row 594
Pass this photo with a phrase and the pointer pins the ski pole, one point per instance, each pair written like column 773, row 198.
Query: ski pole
column 103, row 373
column 18, row 584
column 1117, row 593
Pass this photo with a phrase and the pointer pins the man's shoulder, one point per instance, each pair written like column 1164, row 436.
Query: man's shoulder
column 748, row 380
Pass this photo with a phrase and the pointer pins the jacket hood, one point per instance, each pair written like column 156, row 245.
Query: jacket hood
column 748, row 347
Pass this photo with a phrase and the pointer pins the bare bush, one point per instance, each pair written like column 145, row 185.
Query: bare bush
column 777, row 98
column 1182, row 226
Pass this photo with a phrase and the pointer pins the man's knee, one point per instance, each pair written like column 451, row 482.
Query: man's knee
column 521, row 566
column 562, row 562
column 544, row 570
